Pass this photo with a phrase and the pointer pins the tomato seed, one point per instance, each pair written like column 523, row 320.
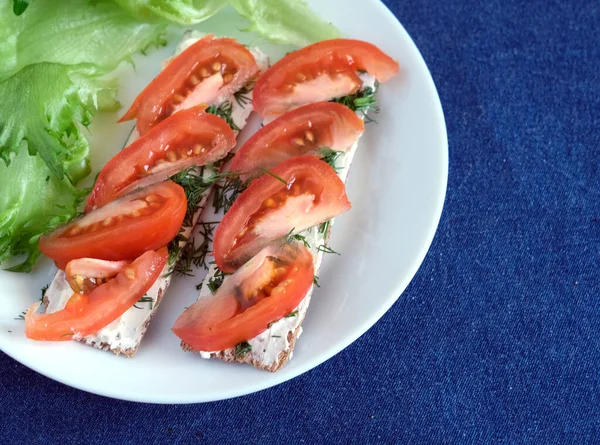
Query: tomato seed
column 194, row 80
column 216, row 66
column 129, row 273
column 204, row 72
column 298, row 142
column 171, row 156
column 107, row 222
column 310, row 136
column 152, row 198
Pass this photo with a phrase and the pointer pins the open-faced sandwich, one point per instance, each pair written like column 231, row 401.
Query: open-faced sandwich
column 286, row 184
column 116, row 260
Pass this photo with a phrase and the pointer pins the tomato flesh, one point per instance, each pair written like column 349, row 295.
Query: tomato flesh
column 265, row 289
column 311, row 193
column 319, row 72
column 208, row 72
column 190, row 137
column 123, row 229
column 86, row 314
column 299, row 132
column 86, row 274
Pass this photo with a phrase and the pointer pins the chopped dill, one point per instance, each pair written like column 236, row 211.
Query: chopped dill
column 242, row 97
column 270, row 173
column 297, row 237
column 145, row 299
column 362, row 101
column 227, row 191
column 326, row 249
column 215, row 282
column 224, row 112
column 330, row 156
column 21, row 316
column 241, row 349
column 292, row 314
column 276, row 336
column 44, row 289
column 316, row 281
column 324, row 227
column 199, row 286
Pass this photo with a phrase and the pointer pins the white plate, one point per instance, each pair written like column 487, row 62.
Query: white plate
column 397, row 187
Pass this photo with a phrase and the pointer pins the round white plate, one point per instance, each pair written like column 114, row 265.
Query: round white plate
column 397, row 187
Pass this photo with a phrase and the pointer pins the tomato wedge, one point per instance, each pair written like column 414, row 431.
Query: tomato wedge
column 209, row 71
column 85, row 314
column 318, row 72
column 123, row 229
column 86, row 274
column 299, row 132
column 264, row 290
column 299, row 193
column 190, row 137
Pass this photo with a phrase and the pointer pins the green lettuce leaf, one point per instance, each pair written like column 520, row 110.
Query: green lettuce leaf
column 281, row 21
column 41, row 108
column 182, row 12
column 33, row 201
column 72, row 32
column 285, row 21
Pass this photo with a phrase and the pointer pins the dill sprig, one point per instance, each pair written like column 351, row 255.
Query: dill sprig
column 241, row 349
column 187, row 254
column 330, row 156
column 242, row 97
column 224, row 112
column 145, row 299
column 195, row 186
column 215, row 282
column 44, row 290
column 326, row 249
column 270, row 173
column 324, row 227
column 227, row 191
column 291, row 236
column 362, row 101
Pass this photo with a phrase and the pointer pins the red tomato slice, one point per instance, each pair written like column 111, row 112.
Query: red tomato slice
column 209, row 72
column 321, row 71
column 265, row 289
column 123, row 229
column 190, row 137
column 86, row 274
column 311, row 193
column 86, row 314
column 299, row 132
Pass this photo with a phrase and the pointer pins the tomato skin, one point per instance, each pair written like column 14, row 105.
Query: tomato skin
column 176, row 137
column 325, row 199
column 87, row 314
column 155, row 102
column 298, row 132
column 218, row 322
column 282, row 87
column 135, row 226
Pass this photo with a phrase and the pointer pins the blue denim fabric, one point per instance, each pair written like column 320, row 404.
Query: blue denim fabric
column 497, row 339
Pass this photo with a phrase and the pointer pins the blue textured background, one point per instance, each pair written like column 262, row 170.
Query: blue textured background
column 496, row 340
